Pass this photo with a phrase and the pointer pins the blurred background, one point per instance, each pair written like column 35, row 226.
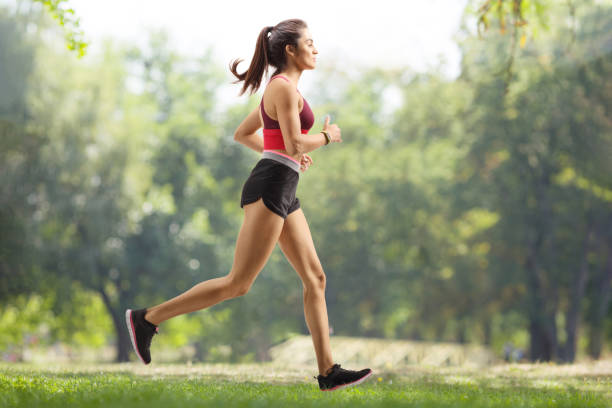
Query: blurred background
column 469, row 206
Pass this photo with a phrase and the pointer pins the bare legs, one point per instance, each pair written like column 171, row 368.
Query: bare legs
column 260, row 231
column 256, row 240
column 296, row 243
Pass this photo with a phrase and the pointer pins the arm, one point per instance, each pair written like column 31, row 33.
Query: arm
column 287, row 110
column 245, row 133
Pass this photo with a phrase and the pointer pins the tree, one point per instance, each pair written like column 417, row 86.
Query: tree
column 550, row 122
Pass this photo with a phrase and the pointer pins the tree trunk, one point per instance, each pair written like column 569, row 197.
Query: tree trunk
column 123, row 342
column 542, row 324
column 461, row 335
column 201, row 352
column 597, row 329
column 487, row 331
column 596, row 335
column 539, row 344
column 572, row 321
column 542, row 290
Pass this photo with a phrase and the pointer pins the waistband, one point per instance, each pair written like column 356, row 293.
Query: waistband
column 281, row 158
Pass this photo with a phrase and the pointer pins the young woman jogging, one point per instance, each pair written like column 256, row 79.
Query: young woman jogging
column 272, row 212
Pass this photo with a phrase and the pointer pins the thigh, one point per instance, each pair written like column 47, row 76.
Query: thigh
column 296, row 243
column 256, row 240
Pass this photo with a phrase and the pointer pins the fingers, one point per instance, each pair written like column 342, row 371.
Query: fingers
column 305, row 162
column 333, row 129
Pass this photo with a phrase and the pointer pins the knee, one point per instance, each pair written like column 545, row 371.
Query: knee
column 315, row 283
column 236, row 288
column 241, row 291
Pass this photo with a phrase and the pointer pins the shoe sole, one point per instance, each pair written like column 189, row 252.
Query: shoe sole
column 359, row 381
column 130, row 325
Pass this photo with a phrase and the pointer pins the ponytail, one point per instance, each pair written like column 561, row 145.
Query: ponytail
column 259, row 64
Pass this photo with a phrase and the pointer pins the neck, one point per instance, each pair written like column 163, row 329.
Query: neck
column 293, row 74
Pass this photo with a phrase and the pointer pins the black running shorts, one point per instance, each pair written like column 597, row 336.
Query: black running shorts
column 274, row 182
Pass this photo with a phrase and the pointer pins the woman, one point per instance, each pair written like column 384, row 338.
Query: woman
column 271, row 210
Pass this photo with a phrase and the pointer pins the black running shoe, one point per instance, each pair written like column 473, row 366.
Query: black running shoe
column 340, row 378
column 141, row 333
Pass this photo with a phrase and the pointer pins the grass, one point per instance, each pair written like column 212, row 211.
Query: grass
column 267, row 385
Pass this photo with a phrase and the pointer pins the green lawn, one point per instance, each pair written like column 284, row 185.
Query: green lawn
column 265, row 385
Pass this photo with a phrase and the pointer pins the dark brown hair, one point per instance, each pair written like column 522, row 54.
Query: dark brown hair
column 269, row 50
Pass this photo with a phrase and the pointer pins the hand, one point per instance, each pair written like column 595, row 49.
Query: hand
column 333, row 130
column 305, row 162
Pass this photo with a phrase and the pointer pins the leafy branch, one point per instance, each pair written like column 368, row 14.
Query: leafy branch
column 67, row 19
column 512, row 15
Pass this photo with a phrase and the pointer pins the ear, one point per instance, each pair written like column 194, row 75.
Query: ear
column 290, row 50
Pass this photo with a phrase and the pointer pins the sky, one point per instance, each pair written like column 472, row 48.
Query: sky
column 390, row 33
column 412, row 33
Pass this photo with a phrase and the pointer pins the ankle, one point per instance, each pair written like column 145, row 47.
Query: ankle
column 327, row 372
column 149, row 317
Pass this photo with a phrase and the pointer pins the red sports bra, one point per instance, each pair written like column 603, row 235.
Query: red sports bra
column 273, row 138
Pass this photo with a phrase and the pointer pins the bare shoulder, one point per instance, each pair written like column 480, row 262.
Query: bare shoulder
column 281, row 91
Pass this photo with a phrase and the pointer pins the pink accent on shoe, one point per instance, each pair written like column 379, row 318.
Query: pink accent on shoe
column 282, row 154
column 359, row 381
column 133, row 335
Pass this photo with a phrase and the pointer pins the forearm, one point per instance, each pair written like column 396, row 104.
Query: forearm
column 308, row 143
column 252, row 140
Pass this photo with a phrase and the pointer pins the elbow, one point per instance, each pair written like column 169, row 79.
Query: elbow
column 237, row 136
column 295, row 148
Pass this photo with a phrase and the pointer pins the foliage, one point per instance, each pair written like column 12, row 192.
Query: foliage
column 515, row 13
column 35, row 320
column 65, row 16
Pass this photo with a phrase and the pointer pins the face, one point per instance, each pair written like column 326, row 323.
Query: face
column 306, row 55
